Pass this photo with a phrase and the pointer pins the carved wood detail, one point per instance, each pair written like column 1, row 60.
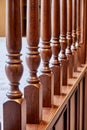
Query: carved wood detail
column 74, row 35
column 45, row 51
column 32, row 91
column 55, row 65
column 78, row 31
column 63, row 28
column 15, row 106
column 69, row 39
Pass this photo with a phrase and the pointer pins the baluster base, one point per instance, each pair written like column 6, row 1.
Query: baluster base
column 57, row 80
column 75, row 54
column 64, row 70
column 14, row 114
column 70, row 65
column 33, row 96
column 47, row 87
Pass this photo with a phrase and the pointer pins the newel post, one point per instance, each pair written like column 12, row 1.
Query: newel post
column 55, row 45
column 14, row 108
column 32, row 92
column 45, row 51
column 63, row 42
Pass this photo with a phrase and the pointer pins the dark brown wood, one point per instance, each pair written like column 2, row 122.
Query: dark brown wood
column 81, row 105
column 82, row 19
column 54, row 117
column 14, row 108
column 74, row 36
column 45, row 51
column 60, row 123
column 85, row 101
column 55, row 65
column 23, row 16
column 77, row 109
column 70, row 57
column 32, row 92
column 78, row 31
column 68, row 115
column 63, row 43
column 72, row 112
column 85, row 28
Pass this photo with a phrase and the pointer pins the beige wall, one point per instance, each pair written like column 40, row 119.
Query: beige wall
column 2, row 17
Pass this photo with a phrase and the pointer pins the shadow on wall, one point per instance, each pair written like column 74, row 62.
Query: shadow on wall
column 2, row 17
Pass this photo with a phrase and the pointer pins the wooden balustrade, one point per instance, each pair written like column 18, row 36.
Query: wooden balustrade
column 50, row 102
column 32, row 92
column 14, row 108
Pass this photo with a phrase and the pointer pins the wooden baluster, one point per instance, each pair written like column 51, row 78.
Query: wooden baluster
column 78, row 46
column 74, row 36
column 69, row 38
column 45, row 50
column 32, row 91
column 55, row 65
column 62, row 56
column 85, row 30
column 14, row 108
column 82, row 16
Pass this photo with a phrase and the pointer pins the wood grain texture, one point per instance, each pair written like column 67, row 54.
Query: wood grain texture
column 46, row 77
column 74, row 36
column 51, row 115
column 78, row 32
column 15, row 106
column 55, row 45
column 72, row 112
column 63, row 43
column 33, row 92
column 70, row 57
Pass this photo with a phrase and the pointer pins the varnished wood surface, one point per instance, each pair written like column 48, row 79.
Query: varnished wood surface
column 50, row 115
column 33, row 89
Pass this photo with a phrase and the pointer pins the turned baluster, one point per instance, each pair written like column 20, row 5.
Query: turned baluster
column 74, row 36
column 14, row 108
column 78, row 46
column 82, row 19
column 32, row 91
column 62, row 57
column 55, row 65
column 45, row 51
column 85, row 29
column 69, row 38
